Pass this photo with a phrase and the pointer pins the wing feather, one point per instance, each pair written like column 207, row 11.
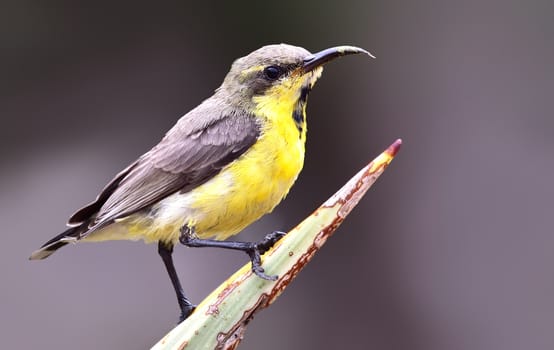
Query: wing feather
column 183, row 160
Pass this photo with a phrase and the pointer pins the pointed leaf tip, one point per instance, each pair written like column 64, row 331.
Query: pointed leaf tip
column 394, row 148
column 384, row 159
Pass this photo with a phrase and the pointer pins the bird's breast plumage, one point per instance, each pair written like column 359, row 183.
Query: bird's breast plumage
column 256, row 182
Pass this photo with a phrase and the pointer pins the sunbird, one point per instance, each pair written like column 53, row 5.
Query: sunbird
column 223, row 165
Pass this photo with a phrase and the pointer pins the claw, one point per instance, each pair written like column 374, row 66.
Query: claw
column 260, row 273
column 257, row 268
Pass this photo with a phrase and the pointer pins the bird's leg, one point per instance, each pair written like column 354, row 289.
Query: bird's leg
column 165, row 251
column 253, row 249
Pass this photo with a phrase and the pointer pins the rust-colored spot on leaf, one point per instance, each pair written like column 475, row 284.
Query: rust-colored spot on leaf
column 231, row 339
column 213, row 309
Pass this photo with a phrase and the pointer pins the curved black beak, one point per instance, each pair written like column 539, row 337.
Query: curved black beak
column 317, row 59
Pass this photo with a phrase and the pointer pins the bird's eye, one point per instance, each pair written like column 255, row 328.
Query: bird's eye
column 273, row 72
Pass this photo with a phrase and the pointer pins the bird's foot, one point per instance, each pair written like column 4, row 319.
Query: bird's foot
column 186, row 310
column 253, row 249
column 260, row 248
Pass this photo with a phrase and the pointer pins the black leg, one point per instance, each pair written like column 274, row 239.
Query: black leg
column 253, row 249
column 186, row 306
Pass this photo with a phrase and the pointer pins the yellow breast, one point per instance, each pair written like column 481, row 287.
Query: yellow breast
column 256, row 182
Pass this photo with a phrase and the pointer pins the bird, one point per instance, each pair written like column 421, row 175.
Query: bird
column 222, row 166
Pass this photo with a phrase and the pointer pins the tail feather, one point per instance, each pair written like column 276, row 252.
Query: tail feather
column 68, row 236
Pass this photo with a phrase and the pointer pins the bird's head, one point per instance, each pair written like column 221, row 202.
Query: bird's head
column 277, row 76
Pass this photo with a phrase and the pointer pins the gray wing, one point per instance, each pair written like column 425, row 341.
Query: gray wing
column 183, row 160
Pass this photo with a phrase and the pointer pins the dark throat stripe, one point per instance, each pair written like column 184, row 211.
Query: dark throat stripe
column 298, row 113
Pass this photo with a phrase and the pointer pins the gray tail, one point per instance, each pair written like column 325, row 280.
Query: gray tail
column 68, row 236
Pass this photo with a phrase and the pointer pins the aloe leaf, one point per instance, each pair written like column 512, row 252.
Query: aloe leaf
column 220, row 320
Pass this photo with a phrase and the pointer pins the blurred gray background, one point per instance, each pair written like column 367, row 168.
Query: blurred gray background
column 452, row 249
